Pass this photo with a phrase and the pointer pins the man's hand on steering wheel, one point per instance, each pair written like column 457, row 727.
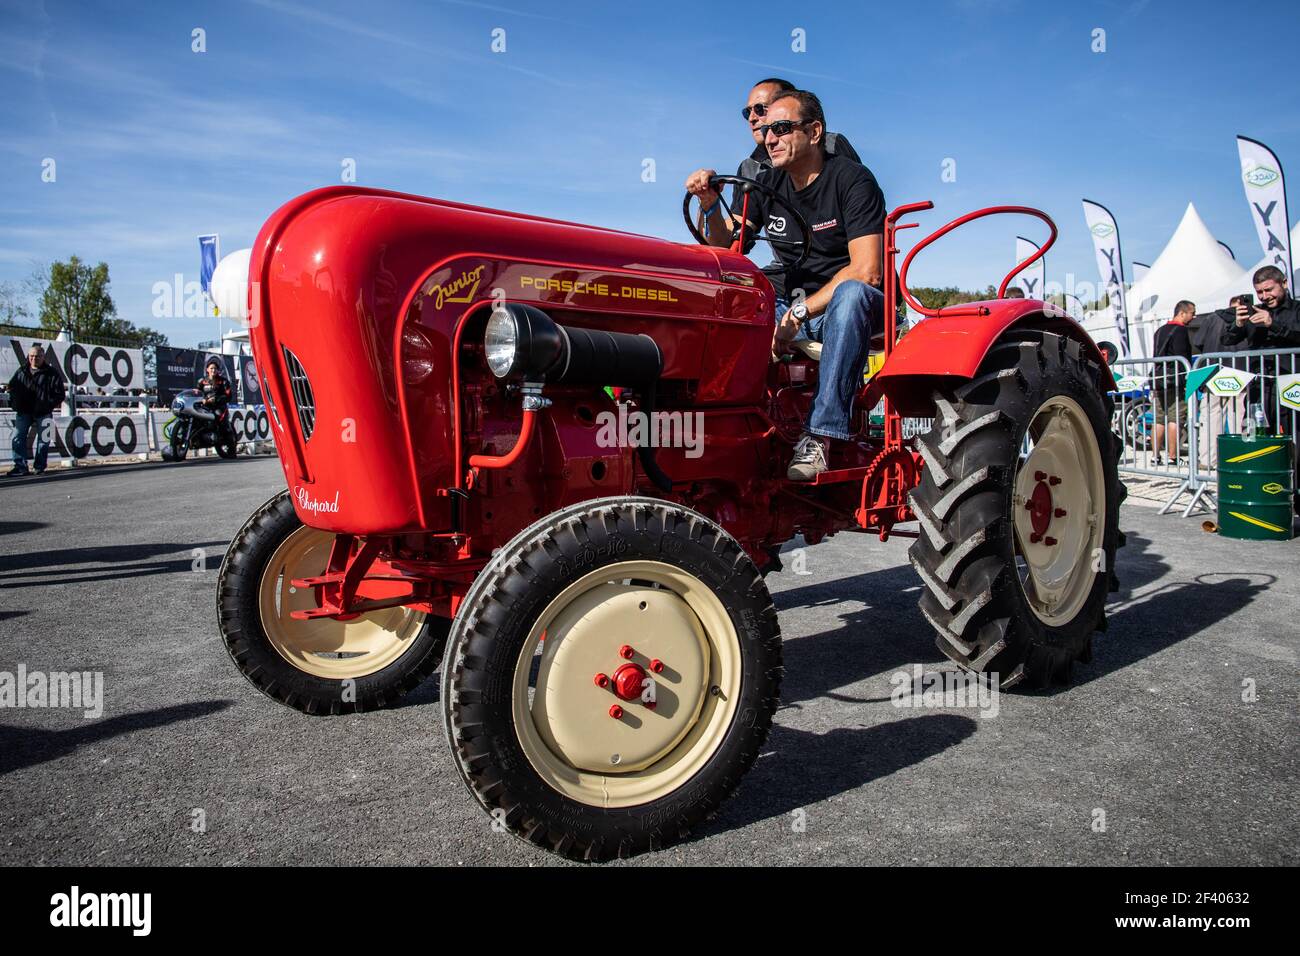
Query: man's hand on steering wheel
column 700, row 185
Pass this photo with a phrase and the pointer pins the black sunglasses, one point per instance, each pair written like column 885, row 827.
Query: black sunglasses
column 758, row 109
column 781, row 127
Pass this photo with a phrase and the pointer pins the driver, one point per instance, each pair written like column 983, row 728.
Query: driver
column 216, row 391
column 835, row 297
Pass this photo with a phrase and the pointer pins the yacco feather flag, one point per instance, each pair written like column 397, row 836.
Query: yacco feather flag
column 1261, row 177
column 1105, row 241
column 1033, row 279
column 1226, row 248
column 209, row 248
column 1140, row 270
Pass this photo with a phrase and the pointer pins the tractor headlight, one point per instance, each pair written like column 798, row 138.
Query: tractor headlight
column 500, row 342
column 520, row 340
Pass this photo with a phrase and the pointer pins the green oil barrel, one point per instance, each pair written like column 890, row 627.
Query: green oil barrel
column 1256, row 483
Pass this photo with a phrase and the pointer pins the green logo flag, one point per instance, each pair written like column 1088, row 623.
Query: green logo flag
column 1198, row 377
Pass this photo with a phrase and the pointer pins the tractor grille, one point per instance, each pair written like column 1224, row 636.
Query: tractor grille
column 302, row 394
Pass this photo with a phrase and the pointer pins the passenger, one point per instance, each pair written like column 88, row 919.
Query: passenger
column 835, row 297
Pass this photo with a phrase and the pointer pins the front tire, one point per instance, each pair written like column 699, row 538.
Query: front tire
column 1017, row 554
column 611, row 588
column 323, row 666
column 180, row 440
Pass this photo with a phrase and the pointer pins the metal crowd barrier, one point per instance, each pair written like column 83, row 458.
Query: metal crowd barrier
column 1155, row 422
column 1218, row 414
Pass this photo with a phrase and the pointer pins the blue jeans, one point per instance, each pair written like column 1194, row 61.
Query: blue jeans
column 22, row 425
column 844, row 330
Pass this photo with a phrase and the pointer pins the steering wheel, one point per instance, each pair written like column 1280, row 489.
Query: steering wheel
column 745, row 187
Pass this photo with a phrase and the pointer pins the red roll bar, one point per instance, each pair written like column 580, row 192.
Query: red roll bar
column 954, row 310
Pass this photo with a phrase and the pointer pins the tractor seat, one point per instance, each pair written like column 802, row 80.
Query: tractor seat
column 814, row 349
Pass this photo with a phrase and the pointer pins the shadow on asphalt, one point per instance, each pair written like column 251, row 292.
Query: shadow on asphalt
column 801, row 769
column 25, row 747
column 31, row 570
column 21, row 527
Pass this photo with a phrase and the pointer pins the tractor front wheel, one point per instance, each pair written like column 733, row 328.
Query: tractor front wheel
column 610, row 676
column 1017, row 548
column 321, row 666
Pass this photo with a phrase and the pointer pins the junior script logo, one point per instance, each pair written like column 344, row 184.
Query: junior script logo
column 307, row 503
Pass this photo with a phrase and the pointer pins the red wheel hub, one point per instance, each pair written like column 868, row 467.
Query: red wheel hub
column 628, row 681
column 1040, row 508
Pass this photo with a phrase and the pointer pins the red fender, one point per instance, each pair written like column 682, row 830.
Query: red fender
column 940, row 351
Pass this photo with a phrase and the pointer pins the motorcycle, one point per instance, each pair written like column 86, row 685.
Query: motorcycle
column 196, row 426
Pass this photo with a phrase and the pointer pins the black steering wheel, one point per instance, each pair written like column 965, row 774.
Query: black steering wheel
column 739, row 226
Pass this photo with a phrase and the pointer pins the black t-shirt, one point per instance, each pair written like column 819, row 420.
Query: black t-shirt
column 1173, row 339
column 843, row 203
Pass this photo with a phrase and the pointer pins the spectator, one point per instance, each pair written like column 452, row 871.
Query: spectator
column 35, row 391
column 1272, row 324
column 1172, row 339
column 1015, row 292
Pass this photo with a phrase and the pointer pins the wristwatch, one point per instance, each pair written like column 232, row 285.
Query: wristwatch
column 800, row 312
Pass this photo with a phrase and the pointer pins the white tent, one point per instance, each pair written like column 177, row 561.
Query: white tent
column 1193, row 266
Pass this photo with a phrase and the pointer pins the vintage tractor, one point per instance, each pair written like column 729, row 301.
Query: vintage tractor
column 447, row 387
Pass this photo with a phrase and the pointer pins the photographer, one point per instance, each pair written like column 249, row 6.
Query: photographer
column 1274, row 323
column 35, row 391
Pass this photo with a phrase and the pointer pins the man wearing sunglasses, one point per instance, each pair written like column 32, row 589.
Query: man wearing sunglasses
column 754, row 113
column 834, row 298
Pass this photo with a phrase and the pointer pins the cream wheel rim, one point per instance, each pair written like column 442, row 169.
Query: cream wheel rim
column 1059, row 503
column 629, row 615
column 327, row 647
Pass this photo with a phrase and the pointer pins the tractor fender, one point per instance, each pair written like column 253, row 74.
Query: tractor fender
column 941, row 351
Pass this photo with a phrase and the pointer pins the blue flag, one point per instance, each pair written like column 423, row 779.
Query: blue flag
column 208, row 246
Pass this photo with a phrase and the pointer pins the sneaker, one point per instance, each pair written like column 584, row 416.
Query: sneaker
column 809, row 459
column 17, row 473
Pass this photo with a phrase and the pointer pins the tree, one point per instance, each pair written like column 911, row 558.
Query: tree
column 13, row 310
column 76, row 298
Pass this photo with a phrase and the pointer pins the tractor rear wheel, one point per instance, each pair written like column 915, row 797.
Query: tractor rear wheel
column 610, row 676
column 1017, row 551
column 323, row 666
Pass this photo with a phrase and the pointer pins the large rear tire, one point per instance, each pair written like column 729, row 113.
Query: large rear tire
column 625, row 589
column 323, row 666
column 1017, row 552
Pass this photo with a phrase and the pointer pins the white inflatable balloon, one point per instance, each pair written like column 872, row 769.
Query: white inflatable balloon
column 230, row 285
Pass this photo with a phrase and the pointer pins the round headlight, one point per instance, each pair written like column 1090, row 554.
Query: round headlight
column 177, row 404
column 501, row 342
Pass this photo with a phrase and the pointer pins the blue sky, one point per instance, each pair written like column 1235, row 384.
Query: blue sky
column 155, row 144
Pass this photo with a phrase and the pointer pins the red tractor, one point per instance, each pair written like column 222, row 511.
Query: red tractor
column 442, row 381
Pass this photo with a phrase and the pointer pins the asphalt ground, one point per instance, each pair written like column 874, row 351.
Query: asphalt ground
column 1175, row 745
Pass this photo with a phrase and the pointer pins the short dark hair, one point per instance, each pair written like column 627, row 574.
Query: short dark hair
column 1268, row 274
column 1235, row 299
column 810, row 108
column 1015, row 292
column 1185, row 306
column 782, row 86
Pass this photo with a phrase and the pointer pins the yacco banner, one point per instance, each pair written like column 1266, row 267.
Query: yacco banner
column 1105, row 240
column 1288, row 391
column 1034, row 279
column 1261, row 177
column 179, row 369
column 1140, row 270
column 91, row 434
column 90, row 367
